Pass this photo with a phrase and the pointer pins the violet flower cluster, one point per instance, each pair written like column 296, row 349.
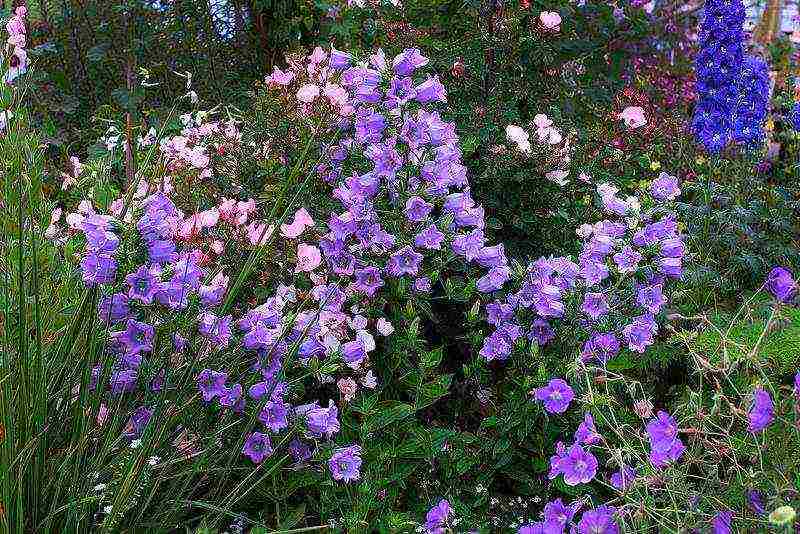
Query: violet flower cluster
column 558, row 518
column 612, row 293
column 733, row 86
column 411, row 202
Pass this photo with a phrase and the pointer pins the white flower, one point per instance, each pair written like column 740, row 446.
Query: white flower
column 559, row 177
column 518, row 136
column 384, row 327
column 135, row 444
column 369, row 381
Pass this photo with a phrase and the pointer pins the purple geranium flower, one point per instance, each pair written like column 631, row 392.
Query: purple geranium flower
column 494, row 279
column 98, row 269
column 639, row 334
column 417, row 209
column 622, row 479
column 430, row 238
column 437, row 517
column 665, row 187
column 578, row 465
column 556, row 396
column 781, row 284
column 627, row 260
column 138, row 337
column 114, row 308
column 542, row 332
column 345, row 463
column 665, row 445
column 721, row 524
column 587, row 433
column 137, row 422
column 217, row 329
column 323, row 421
column 368, row 280
column 602, row 346
column 651, row 298
column 595, row 305
column 600, row 520
column 257, row 447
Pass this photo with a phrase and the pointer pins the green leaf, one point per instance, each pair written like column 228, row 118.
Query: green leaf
column 388, row 413
column 433, row 391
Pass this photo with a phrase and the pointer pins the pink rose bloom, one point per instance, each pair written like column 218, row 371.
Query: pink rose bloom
column 550, row 20
column 302, row 220
column 348, row 388
column 307, row 93
column 633, row 116
column 308, row 258
column 258, row 233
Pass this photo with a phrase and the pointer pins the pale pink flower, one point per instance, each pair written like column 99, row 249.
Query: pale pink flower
column 337, row 95
column 217, row 246
column 307, row 93
column 259, row 233
column 633, row 116
column 348, row 388
column 279, row 77
column 542, row 121
column 85, row 207
column 550, row 20
column 558, row 177
column 302, row 220
column 308, row 258
column 102, row 414
column 518, row 136
column 74, row 220
column 317, row 56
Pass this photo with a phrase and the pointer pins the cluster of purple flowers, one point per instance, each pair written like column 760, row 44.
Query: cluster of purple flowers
column 589, row 290
column 557, row 517
column 414, row 168
column 98, row 264
column 733, row 86
column 665, row 444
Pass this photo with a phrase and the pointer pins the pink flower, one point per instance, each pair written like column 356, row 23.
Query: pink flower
column 518, row 136
column 302, row 220
column 217, row 246
column 633, row 116
column 337, row 95
column 308, row 258
column 550, row 20
column 259, row 233
column 307, row 93
column 279, row 77
column 348, row 388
